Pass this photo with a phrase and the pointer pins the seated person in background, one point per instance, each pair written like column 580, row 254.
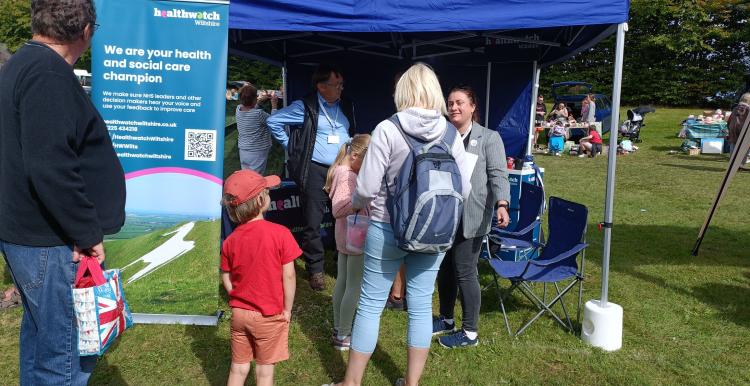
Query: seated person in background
column 560, row 111
column 557, row 136
column 591, row 144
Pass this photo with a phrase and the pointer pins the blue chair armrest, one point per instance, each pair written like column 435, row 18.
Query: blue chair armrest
column 520, row 232
column 547, row 262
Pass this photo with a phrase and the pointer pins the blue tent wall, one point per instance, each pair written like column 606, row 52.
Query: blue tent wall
column 369, row 83
column 511, row 101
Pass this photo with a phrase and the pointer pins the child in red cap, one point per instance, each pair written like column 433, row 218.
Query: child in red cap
column 257, row 264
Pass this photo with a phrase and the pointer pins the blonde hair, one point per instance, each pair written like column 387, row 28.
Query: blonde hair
column 745, row 98
column 357, row 145
column 248, row 210
column 419, row 87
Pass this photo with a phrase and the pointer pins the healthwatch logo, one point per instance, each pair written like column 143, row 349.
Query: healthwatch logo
column 210, row 19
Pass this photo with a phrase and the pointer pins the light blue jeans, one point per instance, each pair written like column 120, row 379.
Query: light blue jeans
column 49, row 336
column 382, row 261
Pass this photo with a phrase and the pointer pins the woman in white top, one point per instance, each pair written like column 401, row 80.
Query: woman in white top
column 589, row 114
column 421, row 113
column 559, row 112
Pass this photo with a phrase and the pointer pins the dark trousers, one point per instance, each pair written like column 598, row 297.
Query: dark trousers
column 459, row 271
column 313, row 200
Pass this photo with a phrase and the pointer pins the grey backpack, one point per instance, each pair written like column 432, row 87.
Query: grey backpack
column 425, row 204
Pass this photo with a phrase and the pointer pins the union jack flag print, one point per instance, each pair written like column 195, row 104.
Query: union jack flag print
column 102, row 313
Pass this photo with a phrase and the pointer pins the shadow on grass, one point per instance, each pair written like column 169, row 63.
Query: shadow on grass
column 705, row 157
column 664, row 148
column 667, row 246
column 384, row 363
column 729, row 300
column 213, row 350
column 314, row 316
column 695, row 167
column 721, row 248
column 519, row 308
column 313, row 313
column 106, row 372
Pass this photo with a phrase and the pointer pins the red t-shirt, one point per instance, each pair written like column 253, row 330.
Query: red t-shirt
column 254, row 255
column 595, row 137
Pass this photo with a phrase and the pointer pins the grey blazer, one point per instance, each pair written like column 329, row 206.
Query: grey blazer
column 489, row 181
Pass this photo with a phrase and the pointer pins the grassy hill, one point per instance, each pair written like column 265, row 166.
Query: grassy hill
column 186, row 285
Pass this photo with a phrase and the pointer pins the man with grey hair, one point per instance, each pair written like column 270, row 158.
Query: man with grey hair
column 61, row 186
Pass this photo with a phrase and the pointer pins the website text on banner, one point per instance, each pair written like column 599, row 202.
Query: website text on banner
column 160, row 89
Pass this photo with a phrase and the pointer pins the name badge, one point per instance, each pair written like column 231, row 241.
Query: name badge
column 333, row 139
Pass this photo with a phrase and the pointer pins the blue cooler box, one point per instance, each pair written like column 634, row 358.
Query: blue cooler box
column 516, row 177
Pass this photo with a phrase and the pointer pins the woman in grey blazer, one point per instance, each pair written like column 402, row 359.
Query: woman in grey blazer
column 490, row 194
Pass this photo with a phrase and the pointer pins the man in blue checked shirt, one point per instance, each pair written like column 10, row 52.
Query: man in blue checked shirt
column 319, row 124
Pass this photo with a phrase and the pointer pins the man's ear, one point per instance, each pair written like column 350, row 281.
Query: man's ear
column 88, row 31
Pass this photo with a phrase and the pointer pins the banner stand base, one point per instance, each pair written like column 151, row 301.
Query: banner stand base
column 192, row 320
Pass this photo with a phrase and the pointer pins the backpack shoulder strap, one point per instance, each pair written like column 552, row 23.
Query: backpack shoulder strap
column 450, row 134
column 394, row 119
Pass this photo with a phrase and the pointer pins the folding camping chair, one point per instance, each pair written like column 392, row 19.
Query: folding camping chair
column 556, row 263
column 531, row 207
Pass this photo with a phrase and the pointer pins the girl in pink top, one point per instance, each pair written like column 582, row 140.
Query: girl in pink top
column 340, row 184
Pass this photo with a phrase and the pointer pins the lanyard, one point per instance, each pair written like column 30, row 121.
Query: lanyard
column 328, row 117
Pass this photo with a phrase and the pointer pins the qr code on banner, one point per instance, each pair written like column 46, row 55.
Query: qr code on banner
column 200, row 145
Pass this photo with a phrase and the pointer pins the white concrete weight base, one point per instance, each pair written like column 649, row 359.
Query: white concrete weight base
column 602, row 326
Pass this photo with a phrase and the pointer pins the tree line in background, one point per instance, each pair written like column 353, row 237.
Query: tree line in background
column 677, row 53
column 263, row 76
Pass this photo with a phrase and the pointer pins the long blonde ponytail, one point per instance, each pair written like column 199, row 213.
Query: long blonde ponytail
column 357, row 145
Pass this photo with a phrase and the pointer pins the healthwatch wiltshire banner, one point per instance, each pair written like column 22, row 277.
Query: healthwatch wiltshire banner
column 158, row 80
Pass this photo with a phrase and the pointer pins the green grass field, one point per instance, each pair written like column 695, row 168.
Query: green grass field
column 687, row 319
column 182, row 286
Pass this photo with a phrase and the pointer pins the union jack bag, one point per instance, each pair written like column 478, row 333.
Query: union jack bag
column 101, row 311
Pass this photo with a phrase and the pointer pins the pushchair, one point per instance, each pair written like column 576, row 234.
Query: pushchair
column 631, row 128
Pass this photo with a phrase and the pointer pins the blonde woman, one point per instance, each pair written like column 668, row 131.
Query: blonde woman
column 421, row 112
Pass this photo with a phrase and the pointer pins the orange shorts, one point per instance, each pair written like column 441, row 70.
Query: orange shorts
column 263, row 338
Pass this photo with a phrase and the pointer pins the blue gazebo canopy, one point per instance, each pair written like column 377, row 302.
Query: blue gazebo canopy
column 373, row 40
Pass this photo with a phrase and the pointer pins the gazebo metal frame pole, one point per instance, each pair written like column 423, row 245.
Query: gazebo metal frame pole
column 532, row 114
column 487, row 96
column 612, row 160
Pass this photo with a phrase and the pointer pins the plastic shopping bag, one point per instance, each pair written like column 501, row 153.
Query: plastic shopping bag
column 356, row 232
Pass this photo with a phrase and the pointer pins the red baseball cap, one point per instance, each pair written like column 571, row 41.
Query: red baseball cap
column 247, row 184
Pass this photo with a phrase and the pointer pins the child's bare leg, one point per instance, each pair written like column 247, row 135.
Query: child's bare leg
column 398, row 288
column 263, row 375
column 238, row 373
column 585, row 146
